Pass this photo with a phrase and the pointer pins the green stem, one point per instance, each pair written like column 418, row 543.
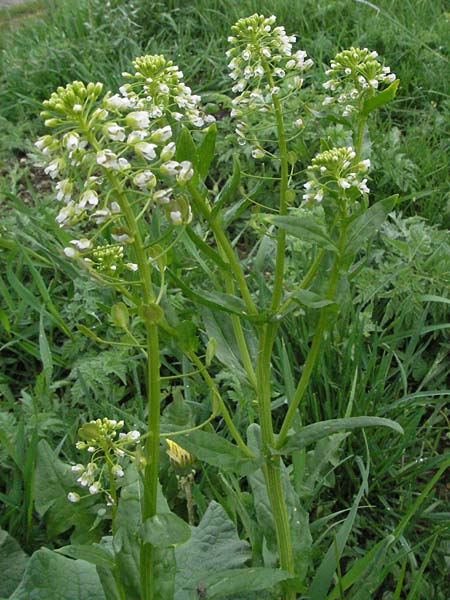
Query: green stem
column 316, row 346
column 281, row 234
column 217, row 398
column 359, row 136
column 272, row 466
column 225, row 245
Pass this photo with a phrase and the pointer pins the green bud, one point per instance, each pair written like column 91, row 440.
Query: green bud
column 152, row 313
column 120, row 315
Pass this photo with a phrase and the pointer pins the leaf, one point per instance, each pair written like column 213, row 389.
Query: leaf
column 50, row 576
column 367, row 225
column 310, row 299
column 205, row 152
column 304, row 228
column 231, row 185
column 214, row 546
column 217, row 451
column 91, row 553
column 381, row 98
column 186, row 149
column 364, row 573
column 325, row 571
column 235, row 581
column 45, row 352
column 13, row 561
column 53, row 481
column 315, row 432
column 126, row 541
column 165, row 530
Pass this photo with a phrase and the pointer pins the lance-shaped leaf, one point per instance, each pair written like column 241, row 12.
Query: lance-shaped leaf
column 13, row 561
column 381, row 98
column 238, row 581
column 315, row 432
column 304, row 228
column 205, row 152
column 364, row 227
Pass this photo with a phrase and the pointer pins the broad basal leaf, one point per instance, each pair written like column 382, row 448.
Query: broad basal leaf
column 214, row 546
column 50, row 576
column 13, row 561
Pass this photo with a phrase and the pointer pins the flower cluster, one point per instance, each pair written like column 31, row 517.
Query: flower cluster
column 336, row 172
column 262, row 64
column 354, row 76
column 105, row 146
column 107, row 447
column 157, row 84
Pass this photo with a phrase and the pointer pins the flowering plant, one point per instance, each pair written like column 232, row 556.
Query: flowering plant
column 132, row 182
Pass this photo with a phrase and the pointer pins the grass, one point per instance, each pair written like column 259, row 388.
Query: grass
column 389, row 355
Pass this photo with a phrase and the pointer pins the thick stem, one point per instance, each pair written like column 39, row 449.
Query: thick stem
column 271, row 468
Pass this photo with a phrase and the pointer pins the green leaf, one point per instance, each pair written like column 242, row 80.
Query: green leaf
column 364, row 573
column 381, row 98
column 304, row 228
column 91, row 553
column 186, row 149
column 231, row 185
column 45, row 352
column 325, row 571
column 165, row 530
column 367, row 225
column 310, row 299
column 50, row 576
column 217, row 451
column 205, row 152
column 53, row 480
column 235, row 581
column 207, row 250
column 214, row 546
column 13, row 561
column 315, row 432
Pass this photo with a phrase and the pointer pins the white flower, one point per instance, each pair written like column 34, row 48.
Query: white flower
column 72, row 141
column 123, row 164
column 147, row 150
column 258, row 153
column 139, row 119
column 363, row 188
column 168, row 151
column 64, row 189
column 186, row 172
column 117, row 102
column 162, row 196
column 136, row 136
column 115, row 132
column 162, row 134
column 94, row 488
column 145, row 179
column 70, row 252
column 77, row 108
column 52, row 169
column 107, row 159
column 176, row 217
column 343, row 183
column 88, row 197
column 77, row 468
column 134, row 435
column 81, row 244
column 118, row 471
column 73, row 497
column 170, row 168
column 298, row 122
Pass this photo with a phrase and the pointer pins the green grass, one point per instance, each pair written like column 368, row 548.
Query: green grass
column 389, row 354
